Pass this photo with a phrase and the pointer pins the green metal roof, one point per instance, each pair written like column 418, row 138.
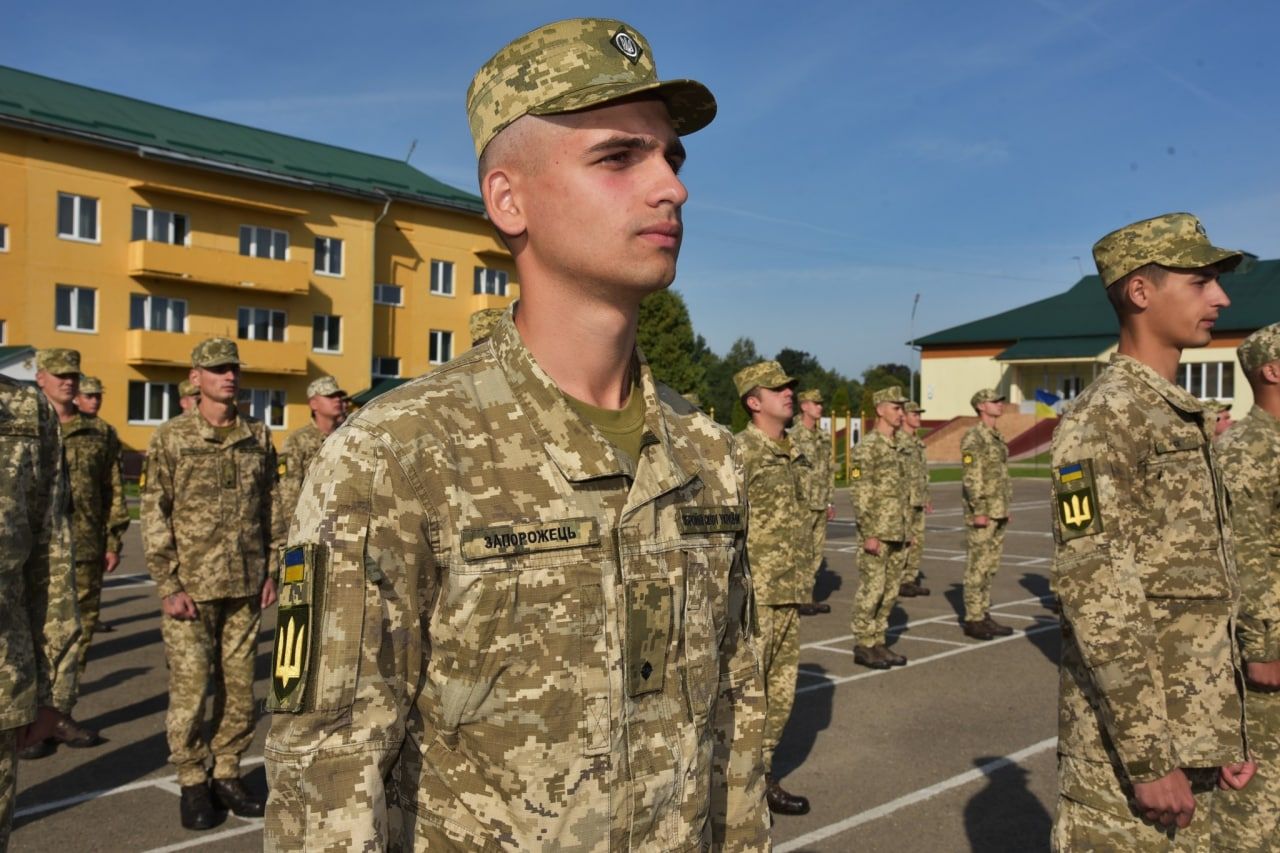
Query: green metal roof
column 379, row 388
column 1083, row 312
column 30, row 100
column 1071, row 347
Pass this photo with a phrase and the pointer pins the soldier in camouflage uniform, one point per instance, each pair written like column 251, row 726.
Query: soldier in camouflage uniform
column 912, row 447
column 38, row 620
column 1150, row 715
column 327, row 414
column 779, row 479
column 516, row 608
column 207, row 492
column 815, row 445
column 880, row 488
column 481, row 324
column 987, row 493
column 188, row 395
column 1250, row 457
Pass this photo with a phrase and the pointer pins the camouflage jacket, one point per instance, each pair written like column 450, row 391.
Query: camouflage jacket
column 987, row 488
column 99, row 516
column 815, row 446
column 1250, row 456
column 39, row 621
column 207, row 507
column 1143, row 565
column 542, row 644
column 780, row 541
column 880, row 485
column 300, row 449
column 913, row 456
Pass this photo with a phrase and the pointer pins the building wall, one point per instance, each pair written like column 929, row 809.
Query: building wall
column 949, row 378
column 212, row 276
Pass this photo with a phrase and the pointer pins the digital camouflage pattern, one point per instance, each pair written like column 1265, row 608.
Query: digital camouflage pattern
column 985, row 395
column 762, row 374
column 1250, row 457
column 987, row 490
column 1176, row 240
column 8, row 782
column 1262, row 347
column 815, row 445
column 1144, row 569
column 58, row 361
column 572, row 65
column 879, row 487
column 299, row 451
column 187, row 388
column 779, row 644
column 917, row 463
column 481, row 324
column 1080, row 827
column 90, row 385
column 486, row 572
column 892, row 394
column 215, row 352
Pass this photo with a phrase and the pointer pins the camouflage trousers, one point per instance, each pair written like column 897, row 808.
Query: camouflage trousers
column 219, row 647
column 915, row 552
column 89, row 601
column 985, row 544
column 878, row 577
column 8, row 782
column 819, row 539
column 1249, row 820
column 780, row 662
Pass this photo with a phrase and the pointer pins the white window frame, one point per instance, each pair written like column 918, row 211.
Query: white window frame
column 332, row 348
column 437, row 338
column 170, row 398
column 489, row 281
column 4, row 332
column 379, row 295
column 439, row 287
column 378, row 360
column 151, row 224
column 252, row 324
column 77, row 205
column 259, row 405
column 1208, row 379
column 75, row 309
column 4, row 237
column 254, row 231
column 170, row 301
column 342, row 256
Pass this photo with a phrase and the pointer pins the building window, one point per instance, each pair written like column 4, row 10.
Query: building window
column 265, row 404
column 386, row 367
column 77, row 217
column 1210, row 380
column 326, row 333
column 159, row 226
column 442, row 278
column 329, row 256
column 490, row 282
column 261, row 324
column 258, row 242
column 4, row 238
column 4, row 333
column 76, row 309
column 152, row 402
column 441, row 346
column 157, row 313
column 388, row 294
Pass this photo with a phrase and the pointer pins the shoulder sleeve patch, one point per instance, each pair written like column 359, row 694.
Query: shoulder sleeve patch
column 282, row 468
column 292, row 653
column 142, row 477
column 855, row 473
column 1075, row 501
column 967, row 459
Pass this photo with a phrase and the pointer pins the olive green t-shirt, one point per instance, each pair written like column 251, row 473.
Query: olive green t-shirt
column 624, row 427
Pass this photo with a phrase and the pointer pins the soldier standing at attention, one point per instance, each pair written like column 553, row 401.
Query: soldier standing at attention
column 879, row 487
column 912, row 447
column 815, row 445
column 1250, row 456
column 38, row 620
column 328, row 412
column 207, row 492
column 517, row 586
column 987, row 493
column 1151, row 717
column 778, row 542
column 188, row 395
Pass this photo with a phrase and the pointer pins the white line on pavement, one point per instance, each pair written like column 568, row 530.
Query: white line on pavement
column 945, row 617
column 920, row 796
column 253, row 825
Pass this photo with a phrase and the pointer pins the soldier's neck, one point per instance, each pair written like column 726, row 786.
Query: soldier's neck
column 326, row 424
column 885, row 428
column 65, row 411
column 1158, row 354
column 217, row 414
column 809, row 423
column 1267, row 398
column 989, row 420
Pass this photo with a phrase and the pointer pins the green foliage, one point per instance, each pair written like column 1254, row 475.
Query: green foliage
column 882, row 376
column 665, row 335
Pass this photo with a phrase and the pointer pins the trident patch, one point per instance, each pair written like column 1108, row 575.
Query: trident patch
column 1076, row 501
column 292, row 653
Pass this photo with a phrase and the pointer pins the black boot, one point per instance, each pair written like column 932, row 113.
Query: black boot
column 195, row 807
column 232, row 794
column 39, row 749
column 781, row 801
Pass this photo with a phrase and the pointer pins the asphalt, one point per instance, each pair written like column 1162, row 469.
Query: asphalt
column 953, row 752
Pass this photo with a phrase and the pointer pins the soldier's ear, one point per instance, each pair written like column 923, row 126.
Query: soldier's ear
column 1271, row 372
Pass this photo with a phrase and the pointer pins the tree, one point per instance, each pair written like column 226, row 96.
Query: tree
column 665, row 335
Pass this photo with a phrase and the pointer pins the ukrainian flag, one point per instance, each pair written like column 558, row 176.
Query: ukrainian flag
column 1070, row 473
column 1045, row 403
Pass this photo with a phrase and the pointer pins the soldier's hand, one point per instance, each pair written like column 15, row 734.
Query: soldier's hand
column 268, row 593
column 1263, row 674
column 831, row 512
column 1233, row 777
column 872, row 546
column 981, row 521
column 40, row 728
column 109, row 561
column 1167, row 800
column 929, row 507
column 179, row 606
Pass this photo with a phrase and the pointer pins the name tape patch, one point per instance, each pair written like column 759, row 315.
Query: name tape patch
column 710, row 519
column 510, row 540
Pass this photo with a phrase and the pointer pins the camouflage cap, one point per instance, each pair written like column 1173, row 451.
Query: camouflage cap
column 573, row 65
column 214, row 352
column 1216, row 406
column 764, row 374
column 58, row 361
column 986, row 395
column 692, row 399
column 187, row 388
column 1174, row 240
column 325, row 386
column 913, row 407
column 813, row 395
column 892, row 394
column 90, row 384
column 481, row 323
column 1262, row 347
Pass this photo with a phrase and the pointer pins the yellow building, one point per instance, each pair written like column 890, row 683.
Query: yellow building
column 1062, row 343
column 130, row 231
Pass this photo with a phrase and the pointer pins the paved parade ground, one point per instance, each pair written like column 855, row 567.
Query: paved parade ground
column 954, row 752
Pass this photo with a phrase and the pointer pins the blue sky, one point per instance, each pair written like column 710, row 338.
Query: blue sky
column 864, row 151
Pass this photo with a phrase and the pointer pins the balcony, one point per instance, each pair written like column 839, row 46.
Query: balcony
column 168, row 349
column 195, row 265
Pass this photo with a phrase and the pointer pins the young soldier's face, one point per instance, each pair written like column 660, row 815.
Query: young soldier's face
column 776, row 403
column 60, row 388
column 811, row 409
column 912, row 420
column 1185, row 306
column 89, row 404
column 221, row 383
column 891, row 413
column 331, row 406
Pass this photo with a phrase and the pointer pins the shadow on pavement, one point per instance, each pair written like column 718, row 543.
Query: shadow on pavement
column 808, row 718
column 827, row 583
column 1037, row 585
column 128, row 643
column 108, row 603
column 1005, row 816
column 112, row 679
column 955, row 597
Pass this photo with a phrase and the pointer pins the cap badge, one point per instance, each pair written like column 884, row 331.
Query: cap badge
column 626, row 45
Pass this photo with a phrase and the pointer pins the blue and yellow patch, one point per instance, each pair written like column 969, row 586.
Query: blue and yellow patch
column 1076, row 510
column 295, row 623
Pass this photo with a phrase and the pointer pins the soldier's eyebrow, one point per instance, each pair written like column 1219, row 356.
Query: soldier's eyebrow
column 674, row 149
